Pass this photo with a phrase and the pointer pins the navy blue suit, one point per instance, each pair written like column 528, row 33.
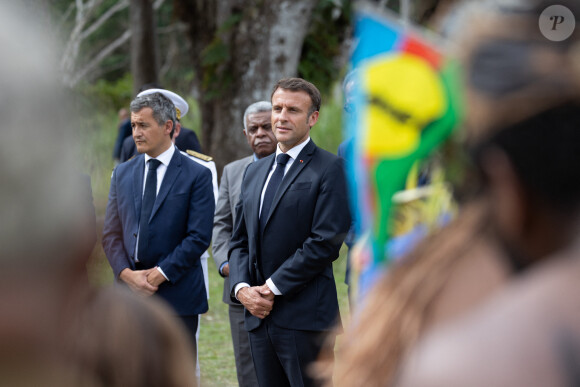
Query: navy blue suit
column 180, row 227
column 302, row 237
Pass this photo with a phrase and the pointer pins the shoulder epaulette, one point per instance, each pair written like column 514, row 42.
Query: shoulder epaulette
column 198, row 155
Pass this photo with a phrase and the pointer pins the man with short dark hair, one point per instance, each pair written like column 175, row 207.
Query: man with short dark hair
column 185, row 139
column 290, row 225
column 160, row 214
column 258, row 132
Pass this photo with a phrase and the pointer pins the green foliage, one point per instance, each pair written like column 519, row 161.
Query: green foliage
column 327, row 133
column 216, row 81
column 331, row 22
column 104, row 95
column 192, row 119
column 97, row 133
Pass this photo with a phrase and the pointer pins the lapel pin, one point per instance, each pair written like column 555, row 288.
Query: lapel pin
column 301, row 161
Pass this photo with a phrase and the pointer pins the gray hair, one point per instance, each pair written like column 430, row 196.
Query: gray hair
column 163, row 108
column 256, row 107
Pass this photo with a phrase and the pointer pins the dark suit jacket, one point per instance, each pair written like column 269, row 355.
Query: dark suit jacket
column 125, row 131
column 302, row 237
column 180, row 224
column 224, row 219
column 187, row 140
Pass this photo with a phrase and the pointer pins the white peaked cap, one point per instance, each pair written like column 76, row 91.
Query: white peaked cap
column 181, row 105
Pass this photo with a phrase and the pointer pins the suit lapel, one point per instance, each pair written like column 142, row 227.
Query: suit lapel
column 173, row 170
column 138, row 173
column 261, row 176
column 298, row 165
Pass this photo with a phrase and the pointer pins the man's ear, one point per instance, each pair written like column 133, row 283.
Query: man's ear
column 177, row 129
column 511, row 205
column 313, row 119
column 168, row 127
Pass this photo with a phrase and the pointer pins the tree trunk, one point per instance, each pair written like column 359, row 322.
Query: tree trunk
column 144, row 58
column 258, row 42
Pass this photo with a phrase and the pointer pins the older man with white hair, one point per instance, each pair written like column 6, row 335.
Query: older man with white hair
column 258, row 132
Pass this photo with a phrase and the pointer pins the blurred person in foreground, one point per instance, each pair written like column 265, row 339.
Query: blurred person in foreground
column 159, row 215
column 129, row 341
column 46, row 229
column 523, row 126
column 261, row 139
column 447, row 275
column 290, row 224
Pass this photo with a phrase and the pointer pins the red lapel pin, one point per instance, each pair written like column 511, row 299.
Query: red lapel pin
column 301, row 161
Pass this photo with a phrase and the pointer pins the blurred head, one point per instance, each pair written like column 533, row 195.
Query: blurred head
column 40, row 196
column 123, row 114
column 511, row 70
column 119, row 327
column 42, row 252
column 523, row 92
column 258, row 128
column 153, row 122
column 533, row 180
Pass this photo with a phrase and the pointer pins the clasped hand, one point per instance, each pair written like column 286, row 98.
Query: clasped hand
column 258, row 300
column 145, row 282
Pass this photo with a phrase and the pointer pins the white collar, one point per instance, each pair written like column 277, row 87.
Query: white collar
column 295, row 151
column 164, row 157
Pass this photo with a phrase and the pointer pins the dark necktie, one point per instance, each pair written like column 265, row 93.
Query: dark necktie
column 272, row 187
column 146, row 207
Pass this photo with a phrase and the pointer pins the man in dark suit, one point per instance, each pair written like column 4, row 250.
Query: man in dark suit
column 290, row 224
column 159, row 215
column 258, row 132
column 124, row 132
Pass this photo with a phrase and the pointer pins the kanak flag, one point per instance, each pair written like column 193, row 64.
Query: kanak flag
column 406, row 101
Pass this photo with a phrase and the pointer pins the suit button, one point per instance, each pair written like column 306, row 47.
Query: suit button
column 135, row 235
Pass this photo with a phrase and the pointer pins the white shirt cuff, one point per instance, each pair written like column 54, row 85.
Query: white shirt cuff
column 162, row 273
column 238, row 287
column 273, row 287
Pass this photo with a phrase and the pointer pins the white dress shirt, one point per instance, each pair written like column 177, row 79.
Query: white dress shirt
column 293, row 153
column 164, row 158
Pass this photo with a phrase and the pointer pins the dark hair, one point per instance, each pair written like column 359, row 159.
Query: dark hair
column 163, row 108
column 545, row 152
column 299, row 84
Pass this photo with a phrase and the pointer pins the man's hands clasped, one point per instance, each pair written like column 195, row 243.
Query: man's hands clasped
column 144, row 282
column 258, row 300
